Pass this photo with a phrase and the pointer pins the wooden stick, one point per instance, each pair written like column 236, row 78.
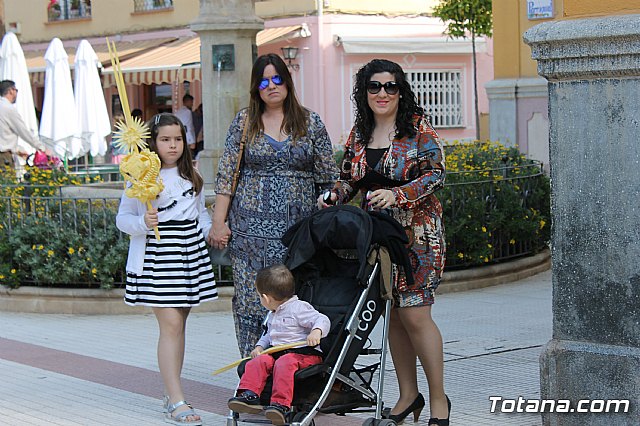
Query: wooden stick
column 155, row 228
column 271, row 350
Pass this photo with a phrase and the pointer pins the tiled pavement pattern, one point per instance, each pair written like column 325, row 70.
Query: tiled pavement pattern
column 101, row 370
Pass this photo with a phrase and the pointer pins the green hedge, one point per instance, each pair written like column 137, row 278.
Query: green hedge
column 495, row 201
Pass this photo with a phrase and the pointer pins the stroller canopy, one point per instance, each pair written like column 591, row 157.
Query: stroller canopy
column 345, row 227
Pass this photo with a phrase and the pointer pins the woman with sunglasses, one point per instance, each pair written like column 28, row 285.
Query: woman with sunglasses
column 287, row 162
column 394, row 158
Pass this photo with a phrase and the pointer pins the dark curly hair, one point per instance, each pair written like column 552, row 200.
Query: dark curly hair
column 407, row 104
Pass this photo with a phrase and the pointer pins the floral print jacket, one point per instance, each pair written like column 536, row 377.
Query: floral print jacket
column 414, row 169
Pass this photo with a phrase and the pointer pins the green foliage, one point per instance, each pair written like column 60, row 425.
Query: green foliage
column 496, row 204
column 46, row 240
column 46, row 250
column 464, row 16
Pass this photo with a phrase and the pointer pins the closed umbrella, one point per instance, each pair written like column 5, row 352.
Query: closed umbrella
column 58, row 123
column 13, row 67
column 93, row 118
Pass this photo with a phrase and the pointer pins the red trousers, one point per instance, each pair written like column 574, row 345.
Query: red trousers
column 259, row 368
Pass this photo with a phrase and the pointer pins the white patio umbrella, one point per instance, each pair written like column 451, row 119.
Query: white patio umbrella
column 13, row 67
column 91, row 107
column 58, row 123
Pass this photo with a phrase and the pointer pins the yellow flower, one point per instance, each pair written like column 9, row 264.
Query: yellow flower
column 484, row 229
column 71, row 250
column 131, row 136
column 40, row 247
column 489, row 245
column 33, row 247
column 94, row 271
column 512, row 241
column 49, row 253
column 542, row 223
column 1, row 277
column 460, row 255
column 13, row 271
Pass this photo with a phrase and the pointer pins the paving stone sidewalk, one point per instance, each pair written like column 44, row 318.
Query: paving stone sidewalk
column 102, row 370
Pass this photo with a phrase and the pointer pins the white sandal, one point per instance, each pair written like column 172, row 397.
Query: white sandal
column 181, row 417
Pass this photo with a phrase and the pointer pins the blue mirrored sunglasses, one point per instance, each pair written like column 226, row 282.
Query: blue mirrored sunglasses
column 264, row 83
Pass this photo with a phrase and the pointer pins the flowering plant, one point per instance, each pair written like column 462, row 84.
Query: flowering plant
column 496, row 203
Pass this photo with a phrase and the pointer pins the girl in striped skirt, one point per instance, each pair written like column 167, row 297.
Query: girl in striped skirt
column 174, row 273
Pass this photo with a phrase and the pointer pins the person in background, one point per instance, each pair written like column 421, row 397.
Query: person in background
column 12, row 127
column 174, row 273
column 288, row 161
column 117, row 153
column 186, row 116
column 395, row 159
column 137, row 113
column 198, row 130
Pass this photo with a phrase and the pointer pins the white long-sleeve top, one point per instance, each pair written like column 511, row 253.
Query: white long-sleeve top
column 186, row 116
column 177, row 201
column 292, row 322
column 12, row 126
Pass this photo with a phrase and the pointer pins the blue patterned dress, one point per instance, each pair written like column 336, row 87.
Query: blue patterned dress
column 277, row 188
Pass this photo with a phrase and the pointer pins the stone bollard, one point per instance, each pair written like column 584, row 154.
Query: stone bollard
column 593, row 70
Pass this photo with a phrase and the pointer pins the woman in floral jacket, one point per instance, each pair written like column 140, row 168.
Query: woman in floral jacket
column 394, row 158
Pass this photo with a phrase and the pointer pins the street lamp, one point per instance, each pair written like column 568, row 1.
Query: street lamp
column 289, row 53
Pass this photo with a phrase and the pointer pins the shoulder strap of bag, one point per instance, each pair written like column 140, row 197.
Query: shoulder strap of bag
column 236, row 173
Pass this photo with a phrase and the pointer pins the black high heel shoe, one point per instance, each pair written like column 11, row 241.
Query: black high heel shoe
column 416, row 407
column 442, row 422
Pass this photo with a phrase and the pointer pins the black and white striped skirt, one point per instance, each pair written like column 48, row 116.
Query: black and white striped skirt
column 177, row 269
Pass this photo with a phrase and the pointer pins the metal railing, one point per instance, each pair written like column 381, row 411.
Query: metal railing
column 150, row 5
column 85, row 216
column 106, row 172
column 482, row 198
column 489, row 199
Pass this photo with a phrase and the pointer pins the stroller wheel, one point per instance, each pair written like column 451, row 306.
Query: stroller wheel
column 379, row 422
column 300, row 415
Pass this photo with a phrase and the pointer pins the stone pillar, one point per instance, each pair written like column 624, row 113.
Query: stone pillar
column 593, row 69
column 227, row 31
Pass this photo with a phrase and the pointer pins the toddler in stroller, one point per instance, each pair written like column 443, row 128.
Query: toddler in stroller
column 338, row 257
column 289, row 321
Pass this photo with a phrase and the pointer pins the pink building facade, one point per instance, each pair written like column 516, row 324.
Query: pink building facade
column 331, row 49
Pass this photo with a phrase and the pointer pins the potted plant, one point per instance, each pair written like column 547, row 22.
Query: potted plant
column 53, row 10
column 74, row 8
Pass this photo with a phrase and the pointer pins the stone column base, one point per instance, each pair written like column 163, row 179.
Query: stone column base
column 577, row 371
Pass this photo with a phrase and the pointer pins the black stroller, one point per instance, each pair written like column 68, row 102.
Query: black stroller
column 336, row 256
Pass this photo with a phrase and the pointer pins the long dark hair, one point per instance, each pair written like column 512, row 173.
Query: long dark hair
column 407, row 104
column 185, row 162
column 295, row 116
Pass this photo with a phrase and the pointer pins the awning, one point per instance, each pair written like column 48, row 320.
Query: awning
column 180, row 59
column 126, row 49
column 155, row 61
column 392, row 45
column 176, row 61
column 271, row 35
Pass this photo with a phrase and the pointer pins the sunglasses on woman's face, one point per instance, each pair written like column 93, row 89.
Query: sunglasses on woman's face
column 391, row 87
column 276, row 79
